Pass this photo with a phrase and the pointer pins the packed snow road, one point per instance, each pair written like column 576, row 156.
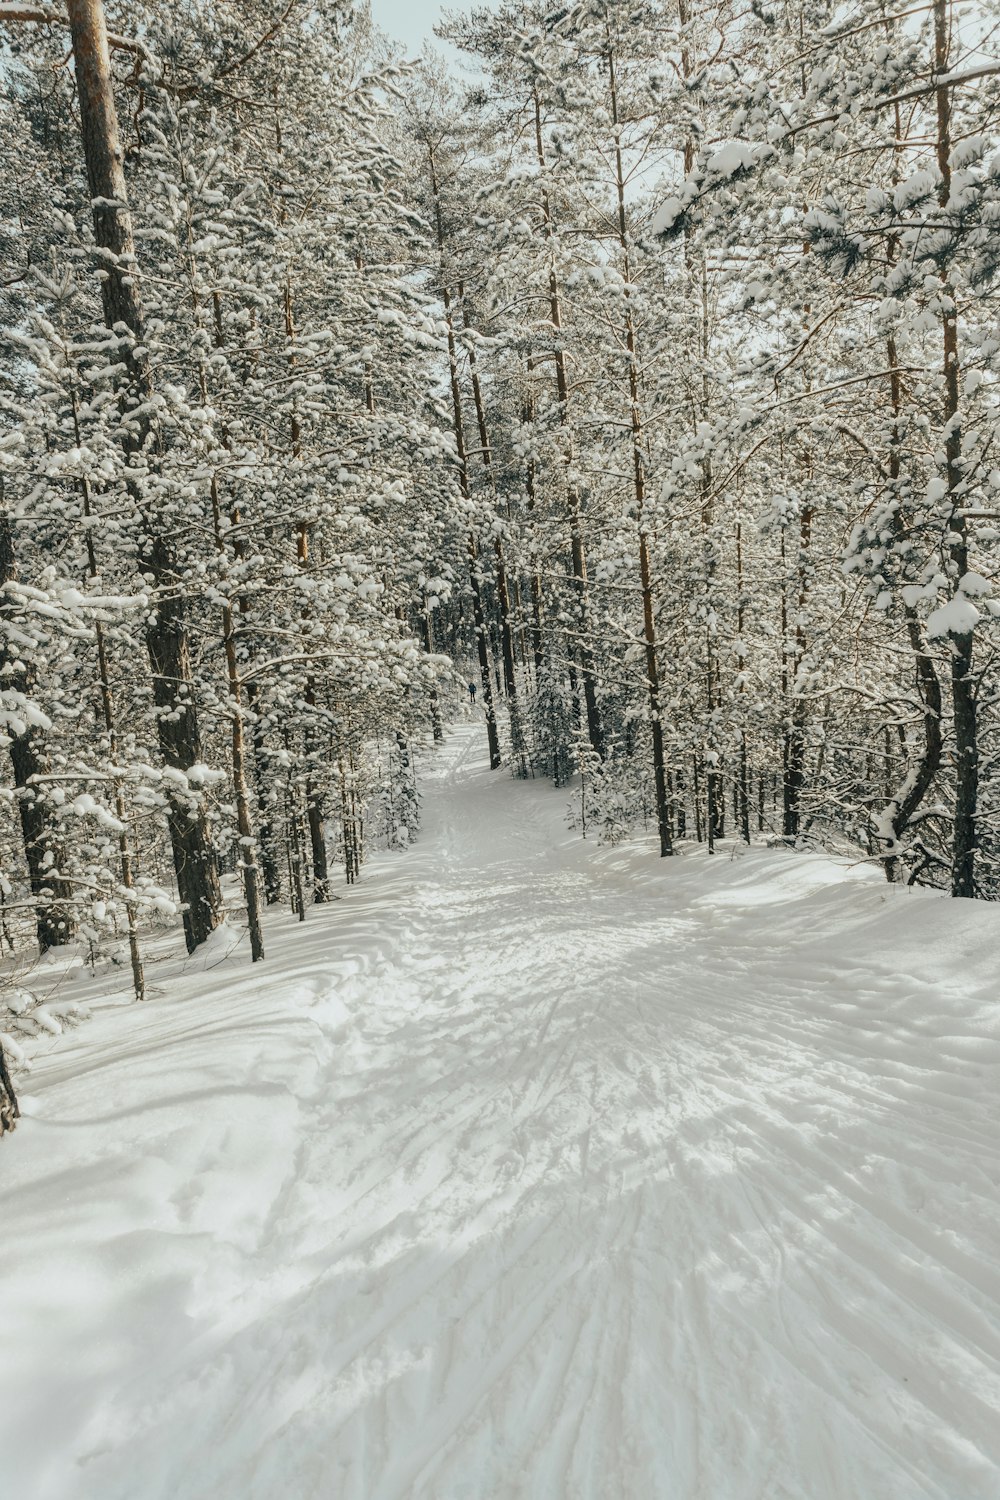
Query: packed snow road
column 528, row 1170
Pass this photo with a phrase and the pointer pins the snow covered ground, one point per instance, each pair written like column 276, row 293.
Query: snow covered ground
column 528, row 1169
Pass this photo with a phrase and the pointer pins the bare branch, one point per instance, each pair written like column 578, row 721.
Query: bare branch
column 49, row 15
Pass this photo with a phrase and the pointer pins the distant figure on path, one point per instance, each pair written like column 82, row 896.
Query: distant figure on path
column 472, row 694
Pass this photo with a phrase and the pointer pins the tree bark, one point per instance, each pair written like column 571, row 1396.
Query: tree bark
column 639, row 488
column 743, row 799
column 51, row 893
column 920, row 776
column 475, row 578
column 125, row 861
column 502, row 585
column 9, row 1111
column 595, row 731
column 167, row 635
column 963, row 683
column 437, row 730
column 249, row 869
column 315, row 814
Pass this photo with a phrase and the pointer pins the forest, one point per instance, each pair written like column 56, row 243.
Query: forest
column 641, row 365
column 500, row 653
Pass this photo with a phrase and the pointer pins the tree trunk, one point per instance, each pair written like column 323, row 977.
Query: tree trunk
column 595, row 732
column 51, row 893
column 9, row 1111
column 743, row 799
column 639, row 489
column 792, row 739
column 125, row 862
column 249, row 869
column 475, row 578
column 436, row 728
column 315, row 818
column 502, row 586
column 963, row 683
column 919, row 777
column 483, row 648
column 167, row 634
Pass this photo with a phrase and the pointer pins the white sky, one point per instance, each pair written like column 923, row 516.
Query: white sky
column 410, row 21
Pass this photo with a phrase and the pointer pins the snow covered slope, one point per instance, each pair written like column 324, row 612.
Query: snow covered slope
column 530, row 1170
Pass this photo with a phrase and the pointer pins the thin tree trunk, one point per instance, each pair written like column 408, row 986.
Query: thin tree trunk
column 963, row 683
column 578, row 554
column 51, row 893
column 791, row 747
column 248, row 866
column 919, row 777
column 698, row 278
column 475, row 579
column 482, row 646
column 111, row 729
column 437, row 730
column 502, row 587
column 296, row 856
column 9, row 1111
column 697, row 798
column 743, row 799
column 244, row 820
column 314, row 799
column 795, row 735
column 537, row 637
column 269, row 859
column 639, row 487
column 264, row 844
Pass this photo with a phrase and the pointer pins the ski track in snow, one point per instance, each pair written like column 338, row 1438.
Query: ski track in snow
column 528, row 1170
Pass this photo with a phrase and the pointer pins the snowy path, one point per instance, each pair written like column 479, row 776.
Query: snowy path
column 530, row 1170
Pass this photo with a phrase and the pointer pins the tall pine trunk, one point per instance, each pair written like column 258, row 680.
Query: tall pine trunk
column 125, row 860
column 963, row 683
column 475, row 571
column 167, row 639
column 639, row 488
column 315, row 812
column 578, row 552
column 502, row 584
